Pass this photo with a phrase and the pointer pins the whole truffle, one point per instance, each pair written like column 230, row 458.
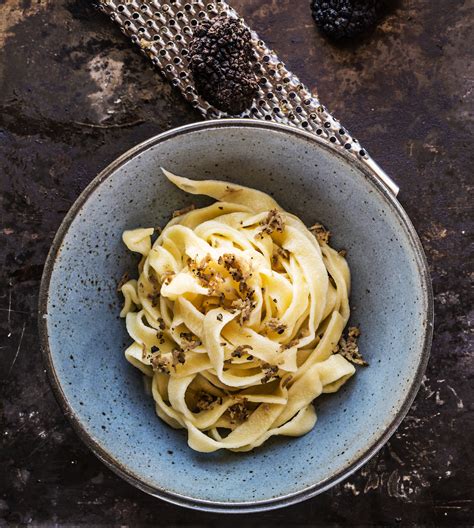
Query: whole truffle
column 222, row 61
column 345, row 18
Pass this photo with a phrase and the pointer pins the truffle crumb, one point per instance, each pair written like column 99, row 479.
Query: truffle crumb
column 152, row 277
column 233, row 266
column 154, row 298
column 206, row 401
column 222, row 61
column 184, row 210
column 321, row 233
column 272, row 222
column 349, row 348
column 206, row 276
column 191, row 341
column 215, row 282
column 239, row 412
column 167, row 276
column 279, row 252
column 276, row 326
column 187, row 336
column 245, row 306
column 290, row 344
column 145, row 354
column 160, row 364
column 178, row 356
column 270, row 372
column 240, row 350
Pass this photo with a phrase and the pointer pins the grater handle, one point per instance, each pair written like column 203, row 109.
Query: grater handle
column 383, row 176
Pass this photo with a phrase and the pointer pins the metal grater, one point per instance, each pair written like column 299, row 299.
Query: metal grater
column 163, row 29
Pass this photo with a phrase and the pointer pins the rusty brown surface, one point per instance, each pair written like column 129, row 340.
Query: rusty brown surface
column 74, row 94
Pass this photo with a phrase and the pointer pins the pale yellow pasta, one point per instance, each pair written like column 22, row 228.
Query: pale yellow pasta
column 236, row 314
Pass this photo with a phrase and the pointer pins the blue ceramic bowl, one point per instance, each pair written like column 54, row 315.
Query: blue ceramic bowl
column 83, row 338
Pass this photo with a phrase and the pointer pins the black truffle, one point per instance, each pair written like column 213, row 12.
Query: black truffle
column 222, row 61
column 345, row 18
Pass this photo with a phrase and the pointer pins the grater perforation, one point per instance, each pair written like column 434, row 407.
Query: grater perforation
column 163, row 29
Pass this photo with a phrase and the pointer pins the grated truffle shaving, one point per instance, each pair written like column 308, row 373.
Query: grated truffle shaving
column 240, row 350
column 206, row 401
column 199, row 270
column 178, row 356
column 145, row 354
column 154, row 298
column 153, row 277
column 279, row 252
column 191, row 341
column 270, row 372
column 184, row 210
column 272, row 222
column 167, row 276
column 233, row 266
column 321, row 233
column 160, row 364
column 276, row 326
column 239, row 412
column 349, row 348
column 215, row 282
column 290, row 344
column 245, row 306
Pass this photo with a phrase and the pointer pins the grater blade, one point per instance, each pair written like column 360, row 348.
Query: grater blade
column 163, row 29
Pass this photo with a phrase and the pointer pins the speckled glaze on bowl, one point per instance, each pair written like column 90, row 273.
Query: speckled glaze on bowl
column 83, row 338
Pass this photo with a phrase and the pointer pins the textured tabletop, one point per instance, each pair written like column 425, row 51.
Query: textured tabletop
column 74, row 94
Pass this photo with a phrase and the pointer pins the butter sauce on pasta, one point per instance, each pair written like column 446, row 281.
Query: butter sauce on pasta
column 235, row 317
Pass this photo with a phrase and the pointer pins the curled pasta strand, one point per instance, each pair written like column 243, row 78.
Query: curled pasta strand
column 235, row 318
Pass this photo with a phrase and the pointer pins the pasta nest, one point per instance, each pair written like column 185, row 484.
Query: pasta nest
column 235, row 316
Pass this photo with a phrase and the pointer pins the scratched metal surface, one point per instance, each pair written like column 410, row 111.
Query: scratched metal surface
column 74, row 94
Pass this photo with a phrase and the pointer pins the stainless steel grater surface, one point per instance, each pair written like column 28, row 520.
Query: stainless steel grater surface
column 163, row 29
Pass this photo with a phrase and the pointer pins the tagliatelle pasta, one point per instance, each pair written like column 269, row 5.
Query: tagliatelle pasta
column 236, row 316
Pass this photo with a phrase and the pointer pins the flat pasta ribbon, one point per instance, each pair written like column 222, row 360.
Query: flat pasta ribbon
column 236, row 314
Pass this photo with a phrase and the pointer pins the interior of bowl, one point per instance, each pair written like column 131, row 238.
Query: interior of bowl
column 86, row 338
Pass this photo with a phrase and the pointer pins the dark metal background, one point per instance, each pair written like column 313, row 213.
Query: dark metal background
column 74, row 95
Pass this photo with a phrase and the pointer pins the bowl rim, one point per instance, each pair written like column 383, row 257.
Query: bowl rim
column 255, row 505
